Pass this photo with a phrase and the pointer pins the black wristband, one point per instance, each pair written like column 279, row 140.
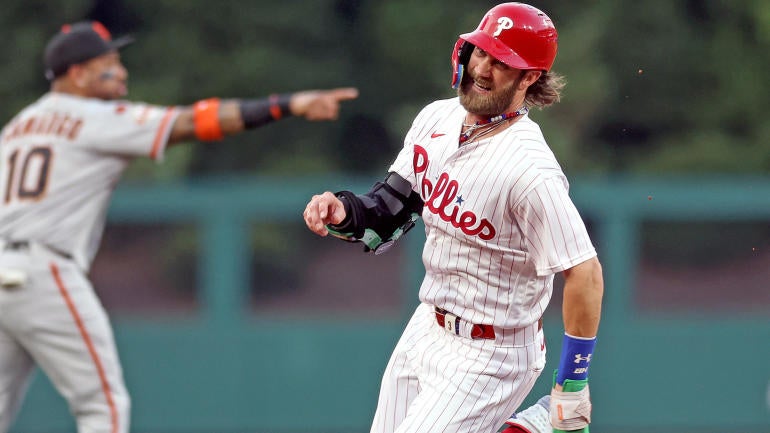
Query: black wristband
column 279, row 105
column 257, row 112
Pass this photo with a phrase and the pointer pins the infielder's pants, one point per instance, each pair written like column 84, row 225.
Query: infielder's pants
column 55, row 320
column 440, row 382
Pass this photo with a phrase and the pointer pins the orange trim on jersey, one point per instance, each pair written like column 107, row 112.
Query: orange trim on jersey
column 206, row 120
column 161, row 134
column 89, row 343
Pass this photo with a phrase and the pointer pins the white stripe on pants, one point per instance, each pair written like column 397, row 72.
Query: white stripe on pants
column 440, row 382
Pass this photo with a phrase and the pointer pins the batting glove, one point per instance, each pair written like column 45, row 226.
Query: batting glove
column 571, row 407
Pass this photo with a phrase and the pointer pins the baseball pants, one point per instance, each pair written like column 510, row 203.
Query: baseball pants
column 440, row 382
column 55, row 321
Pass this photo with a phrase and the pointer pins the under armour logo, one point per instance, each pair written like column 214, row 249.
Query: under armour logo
column 579, row 357
column 503, row 23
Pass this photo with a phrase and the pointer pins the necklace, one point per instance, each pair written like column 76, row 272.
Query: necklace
column 484, row 132
column 492, row 123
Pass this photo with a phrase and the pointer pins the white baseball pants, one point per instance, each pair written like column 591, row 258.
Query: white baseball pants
column 437, row 381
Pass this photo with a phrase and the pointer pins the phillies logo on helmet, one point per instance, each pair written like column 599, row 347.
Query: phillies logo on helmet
column 503, row 23
column 517, row 34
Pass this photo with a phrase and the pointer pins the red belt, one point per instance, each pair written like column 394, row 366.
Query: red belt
column 485, row 332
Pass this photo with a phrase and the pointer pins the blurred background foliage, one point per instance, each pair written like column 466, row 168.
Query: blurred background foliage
column 653, row 87
column 656, row 88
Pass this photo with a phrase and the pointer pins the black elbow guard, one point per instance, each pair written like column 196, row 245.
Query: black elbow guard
column 381, row 216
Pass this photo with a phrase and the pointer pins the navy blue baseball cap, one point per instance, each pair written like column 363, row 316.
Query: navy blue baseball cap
column 77, row 43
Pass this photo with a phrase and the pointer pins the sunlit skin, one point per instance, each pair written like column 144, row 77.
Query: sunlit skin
column 490, row 87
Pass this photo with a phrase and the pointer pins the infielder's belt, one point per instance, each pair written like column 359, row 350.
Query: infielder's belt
column 16, row 245
column 25, row 245
column 454, row 324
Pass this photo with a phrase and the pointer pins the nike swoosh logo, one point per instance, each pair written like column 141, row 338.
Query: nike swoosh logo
column 435, row 135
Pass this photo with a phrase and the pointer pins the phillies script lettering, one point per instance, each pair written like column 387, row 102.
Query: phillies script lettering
column 440, row 199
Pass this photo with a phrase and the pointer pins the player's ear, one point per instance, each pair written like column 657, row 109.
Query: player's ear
column 529, row 78
column 78, row 76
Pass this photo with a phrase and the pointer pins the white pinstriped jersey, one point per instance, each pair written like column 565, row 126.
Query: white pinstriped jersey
column 60, row 159
column 498, row 217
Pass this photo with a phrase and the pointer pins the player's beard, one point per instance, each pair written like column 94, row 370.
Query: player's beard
column 492, row 104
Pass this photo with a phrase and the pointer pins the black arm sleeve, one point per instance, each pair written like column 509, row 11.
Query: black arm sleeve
column 389, row 206
column 257, row 112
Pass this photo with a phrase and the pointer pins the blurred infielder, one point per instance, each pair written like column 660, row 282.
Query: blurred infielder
column 60, row 159
column 499, row 224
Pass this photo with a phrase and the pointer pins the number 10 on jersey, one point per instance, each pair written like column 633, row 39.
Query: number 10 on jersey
column 27, row 173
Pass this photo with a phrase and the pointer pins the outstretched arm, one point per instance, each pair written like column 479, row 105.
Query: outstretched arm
column 212, row 119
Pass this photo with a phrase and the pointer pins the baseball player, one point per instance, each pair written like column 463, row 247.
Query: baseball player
column 60, row 159
column 499, row 224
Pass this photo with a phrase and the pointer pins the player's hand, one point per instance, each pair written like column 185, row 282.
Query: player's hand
column 321, row 210
column 320, row 104
column 570, row 406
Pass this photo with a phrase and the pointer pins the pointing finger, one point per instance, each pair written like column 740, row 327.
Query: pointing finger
column 345, row 93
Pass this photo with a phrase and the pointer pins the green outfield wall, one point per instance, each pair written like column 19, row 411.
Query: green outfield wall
column 660, row 366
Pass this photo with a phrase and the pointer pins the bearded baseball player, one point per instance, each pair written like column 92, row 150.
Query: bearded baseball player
column 60, row 159
column 499, row 224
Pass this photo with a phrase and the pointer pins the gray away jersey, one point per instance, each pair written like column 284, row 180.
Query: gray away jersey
column 60, row 160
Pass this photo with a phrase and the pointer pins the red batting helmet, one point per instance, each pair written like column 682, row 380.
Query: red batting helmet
column 517, row 34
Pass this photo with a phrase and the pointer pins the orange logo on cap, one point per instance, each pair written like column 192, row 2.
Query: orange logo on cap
column 101, row 30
